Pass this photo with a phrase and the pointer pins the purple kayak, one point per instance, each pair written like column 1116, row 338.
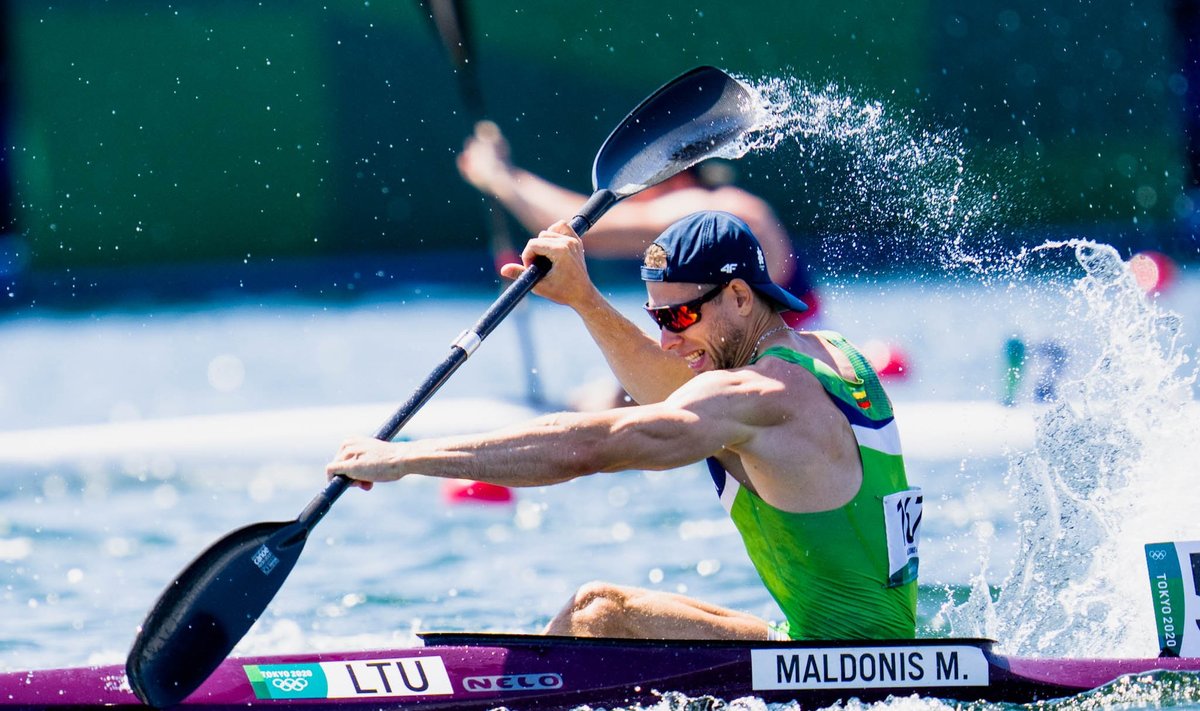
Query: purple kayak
column 455, row 670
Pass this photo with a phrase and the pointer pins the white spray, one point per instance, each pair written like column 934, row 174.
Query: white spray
column 1111, row 468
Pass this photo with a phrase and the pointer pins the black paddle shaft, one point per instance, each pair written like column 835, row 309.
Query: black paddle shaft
column 460, row 350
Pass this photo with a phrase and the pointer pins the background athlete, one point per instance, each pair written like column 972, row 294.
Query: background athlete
column 629, row 227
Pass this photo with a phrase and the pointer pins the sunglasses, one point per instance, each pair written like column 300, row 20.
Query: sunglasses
column 681, row 316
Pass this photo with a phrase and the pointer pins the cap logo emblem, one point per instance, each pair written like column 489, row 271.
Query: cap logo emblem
column 729, row 268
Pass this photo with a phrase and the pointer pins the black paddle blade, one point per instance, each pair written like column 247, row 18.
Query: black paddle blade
column 701, row 114
column 201, row 616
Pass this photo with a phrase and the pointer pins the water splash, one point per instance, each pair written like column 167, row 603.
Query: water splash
column 1109, row 472
column 1144, row 691
column 885, row 184
column 1105, row 475
column 1155, row 690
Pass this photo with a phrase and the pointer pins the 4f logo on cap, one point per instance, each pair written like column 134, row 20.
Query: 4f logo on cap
column 762, row 262
column 729, row 268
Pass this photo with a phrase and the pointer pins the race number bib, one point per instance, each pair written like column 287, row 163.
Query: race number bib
column 902, row 521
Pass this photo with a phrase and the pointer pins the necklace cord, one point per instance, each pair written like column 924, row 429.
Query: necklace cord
column 765, row 336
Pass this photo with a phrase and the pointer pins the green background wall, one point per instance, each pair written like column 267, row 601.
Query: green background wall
column 228, row 132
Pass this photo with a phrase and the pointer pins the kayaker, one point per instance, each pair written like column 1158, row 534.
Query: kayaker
column 796, row 429
column 628, row 228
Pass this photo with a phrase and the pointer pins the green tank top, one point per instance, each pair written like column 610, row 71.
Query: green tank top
column 848, row 573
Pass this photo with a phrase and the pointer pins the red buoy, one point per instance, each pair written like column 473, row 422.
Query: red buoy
column 889, row 360
column 1154, row 272
column 465, row 491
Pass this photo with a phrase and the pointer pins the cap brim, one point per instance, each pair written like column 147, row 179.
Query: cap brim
column 779, row 295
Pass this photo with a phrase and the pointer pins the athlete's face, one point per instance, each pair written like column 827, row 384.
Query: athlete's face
column 709, row 342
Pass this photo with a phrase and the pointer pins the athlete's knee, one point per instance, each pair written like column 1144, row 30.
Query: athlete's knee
column 600, row 597
column 596, row 608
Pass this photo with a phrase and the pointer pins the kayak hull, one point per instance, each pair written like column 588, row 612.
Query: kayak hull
column 532, row 672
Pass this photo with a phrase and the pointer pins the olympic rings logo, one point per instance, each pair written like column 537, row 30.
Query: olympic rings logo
column 1157, row 555
column 290, row 684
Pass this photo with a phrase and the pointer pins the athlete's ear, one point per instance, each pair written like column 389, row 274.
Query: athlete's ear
column 743, row 295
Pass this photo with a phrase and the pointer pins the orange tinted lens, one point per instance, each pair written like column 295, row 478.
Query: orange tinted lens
column 682, row 317
column 674, row 318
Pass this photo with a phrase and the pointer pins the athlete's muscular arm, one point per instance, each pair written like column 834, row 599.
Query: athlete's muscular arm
column 648, row 373
column 698, row 421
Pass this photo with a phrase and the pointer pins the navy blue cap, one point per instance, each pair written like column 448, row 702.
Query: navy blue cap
column 714, row 247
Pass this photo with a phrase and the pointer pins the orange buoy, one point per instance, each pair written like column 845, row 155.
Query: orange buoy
column 465, row 491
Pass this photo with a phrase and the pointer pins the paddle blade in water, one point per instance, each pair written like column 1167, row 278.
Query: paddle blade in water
column 203, row 614
column 702, row 114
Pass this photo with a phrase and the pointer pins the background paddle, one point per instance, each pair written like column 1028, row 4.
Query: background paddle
column 452, row 23
column 204, row 612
